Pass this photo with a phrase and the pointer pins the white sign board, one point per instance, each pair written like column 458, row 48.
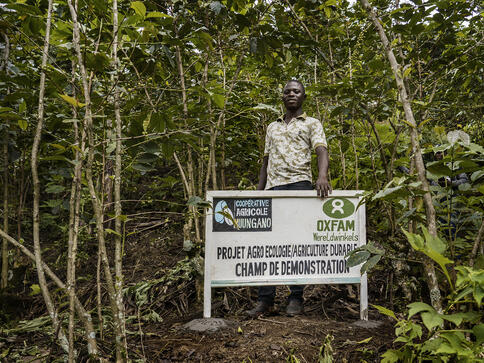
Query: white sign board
column 258, row 238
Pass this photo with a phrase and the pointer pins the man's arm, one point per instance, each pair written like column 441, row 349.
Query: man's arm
column 263, row 173
column 322, row 184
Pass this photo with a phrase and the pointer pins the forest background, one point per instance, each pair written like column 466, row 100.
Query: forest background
column 116, row 118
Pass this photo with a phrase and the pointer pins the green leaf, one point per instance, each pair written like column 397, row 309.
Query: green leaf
column 391, row 356
column 477, row 174
column 385, row 311
column 4, row 353
column 439, row 169
column 456, row 339
column 216, row 6
column 146, row 158
column 445, row 348
column 463, row 293
column 417, row 307
column 370, row 247
column 454, row 318
column 478, row 294
column 9, row 116
column 441, row 260
column 22, row 107
column 364, row 341
column 110, row 231
column 431, row 345
column 431, row 319
column 406, row 72
column 22, row 124
column 219, row 100
column 357, row 258
column 123, row 218
column 368, row 265
column 72, row 101
column 478, row 331
column 156, row 14
column 230, row 217
column 35, row 289
column 97, row 62
column 139, row 8
column 415, row 240
column 481, row 188
column 433, row 242
column 205, row 38
column 55, row 189
column 194, row 201
column 198, row 202
column 387, row 192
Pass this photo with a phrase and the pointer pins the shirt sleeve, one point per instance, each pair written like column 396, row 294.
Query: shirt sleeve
column 318, row 138
column 268, row 142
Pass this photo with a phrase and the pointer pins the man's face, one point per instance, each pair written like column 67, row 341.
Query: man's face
column 293, row 96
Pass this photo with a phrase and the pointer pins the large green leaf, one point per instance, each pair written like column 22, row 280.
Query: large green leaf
column 139, row 8
column 417, row 307
column 439, row 169
column 431, row 319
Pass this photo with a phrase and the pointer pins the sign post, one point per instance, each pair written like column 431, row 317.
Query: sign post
column 256, row 238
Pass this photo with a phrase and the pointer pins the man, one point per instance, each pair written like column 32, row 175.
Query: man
column 287, row 166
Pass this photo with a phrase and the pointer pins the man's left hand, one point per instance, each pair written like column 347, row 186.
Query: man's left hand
column 323, row 187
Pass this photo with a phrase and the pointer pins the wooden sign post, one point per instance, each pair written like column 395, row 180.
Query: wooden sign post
column 258, row 238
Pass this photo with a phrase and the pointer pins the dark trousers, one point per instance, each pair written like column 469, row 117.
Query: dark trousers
column 267, row 293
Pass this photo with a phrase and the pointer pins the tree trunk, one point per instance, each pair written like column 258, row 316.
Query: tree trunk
column 119, row 235
column 4, row 279
column 96, row 203
column 74, row 207
column 190, row 172
column 435, row 295
column 36, row 197
column 4, row 273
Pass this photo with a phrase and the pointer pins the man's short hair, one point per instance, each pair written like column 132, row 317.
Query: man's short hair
column 298, row 82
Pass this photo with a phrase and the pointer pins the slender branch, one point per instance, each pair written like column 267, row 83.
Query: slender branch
column 477, row 242
column 182, row 172
column 118, row 239
column 36, row 192
column 4, row 273
column 432, row 282
column 82, row 313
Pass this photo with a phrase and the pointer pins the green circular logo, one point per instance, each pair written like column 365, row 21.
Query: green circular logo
column 338, row 208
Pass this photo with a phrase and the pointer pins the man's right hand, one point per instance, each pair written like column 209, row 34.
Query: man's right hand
column 323, row 187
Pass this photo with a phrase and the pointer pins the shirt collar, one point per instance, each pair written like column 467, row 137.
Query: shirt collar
column 302, row 116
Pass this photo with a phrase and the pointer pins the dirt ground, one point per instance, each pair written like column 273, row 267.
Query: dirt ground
column 331, row 316
column 274, row 338
column 156, row 331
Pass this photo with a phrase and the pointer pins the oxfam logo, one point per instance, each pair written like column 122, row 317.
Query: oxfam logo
column 222, row 211
column 338, row 208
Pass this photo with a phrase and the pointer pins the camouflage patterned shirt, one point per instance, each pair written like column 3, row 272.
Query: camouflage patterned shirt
column 289, row 147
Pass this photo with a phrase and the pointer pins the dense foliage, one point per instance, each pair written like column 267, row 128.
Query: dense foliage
column 198, row 83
